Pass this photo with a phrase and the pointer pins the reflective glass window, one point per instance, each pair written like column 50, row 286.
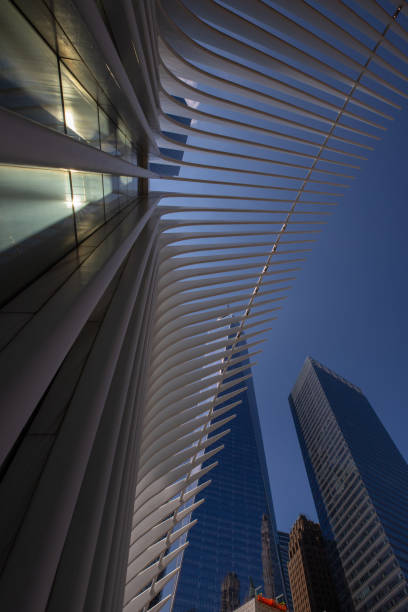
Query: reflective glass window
column 29, row 81
column 123, row 143
column 88, row 202
column 108, row 133
column 132, row 187
column 36, row 223
column 133, row 155
column 124, row 182
column 128, row 188
column 112, row 194
column 81, row 112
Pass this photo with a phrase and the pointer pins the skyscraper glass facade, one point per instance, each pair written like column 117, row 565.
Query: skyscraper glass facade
column 283, row 543
column 227, row 537
column 359, row 482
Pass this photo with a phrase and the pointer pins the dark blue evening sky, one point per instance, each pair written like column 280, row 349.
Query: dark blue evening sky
column 348, row 309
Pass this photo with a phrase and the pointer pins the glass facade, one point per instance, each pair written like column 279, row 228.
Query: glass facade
column 283, row 544
column 227, row 537
column 47, row 212
column 39, row 73
column 359, row 482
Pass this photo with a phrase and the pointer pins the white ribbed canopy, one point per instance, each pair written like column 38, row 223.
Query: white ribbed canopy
column 275, row 106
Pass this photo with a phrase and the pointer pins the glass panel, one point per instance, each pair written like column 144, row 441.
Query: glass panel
column 82, row 74
column 128, row 153
column 133, row 156
column 124, row 181
column 123, row 144
column 43, row 21
column 29, row 83
column 129, row 187
column 112, row 195
column 36, row 223
column 133, row 186
column 88, row 202
column 81, row 113
column 108, row 133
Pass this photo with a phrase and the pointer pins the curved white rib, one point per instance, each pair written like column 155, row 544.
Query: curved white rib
column 273, row 119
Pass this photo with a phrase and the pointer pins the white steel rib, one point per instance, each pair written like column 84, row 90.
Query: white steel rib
column 274, row 120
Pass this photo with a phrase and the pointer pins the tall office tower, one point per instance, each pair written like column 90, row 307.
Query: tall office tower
column 162, row 163
column 283, row 545
column 230, row 593
column 311, row 583
column 267, row 563
column 359, row 482
column 227, row 537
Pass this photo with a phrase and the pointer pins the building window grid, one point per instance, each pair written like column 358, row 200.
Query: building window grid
column 387, row 505
column 337, row 486
column 354, row 482
column 333, row 469
column 338, row 503
column 327, row 472
column 372, row 571
column 393, row 580
column 341, row 520
column 325, row 440
column 338, row 522
column 84, row 200
column 366, row 545
column 346, row 547
column 373, row 550
column 393, row 473
column 320, row 408
column 377, row 478
column 319, row 451
column 330, row 436
column 356, row 515
column 394, row 600
column 400, row 544
column 129, row 152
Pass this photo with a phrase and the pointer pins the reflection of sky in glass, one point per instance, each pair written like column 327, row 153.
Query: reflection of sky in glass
column 81, row 112
column 107, row 132
column 44, row 213
column 31, row 200
column 227, row 536
column 29, row 82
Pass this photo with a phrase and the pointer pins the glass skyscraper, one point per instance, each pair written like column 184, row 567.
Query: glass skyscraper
column 283, row 544
column 359, row 482
column 227, row 537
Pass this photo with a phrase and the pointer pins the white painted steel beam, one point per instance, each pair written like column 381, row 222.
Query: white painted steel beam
column 273, row 118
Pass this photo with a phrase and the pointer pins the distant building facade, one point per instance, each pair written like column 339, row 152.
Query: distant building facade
column 227, row 537
column 267, row 562
column 230, row 598
column 283, row 544
column 359, row 482
column 311, row 584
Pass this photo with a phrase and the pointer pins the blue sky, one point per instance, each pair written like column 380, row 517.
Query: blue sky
column 348, row 309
